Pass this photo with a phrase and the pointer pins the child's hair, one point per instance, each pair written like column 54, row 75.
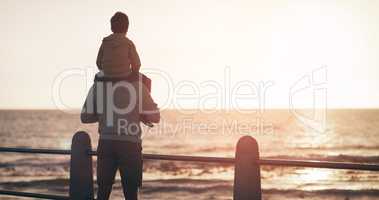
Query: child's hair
column 119, row 23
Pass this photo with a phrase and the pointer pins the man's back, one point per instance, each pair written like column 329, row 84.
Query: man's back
column 117, row 106
column 123, row 106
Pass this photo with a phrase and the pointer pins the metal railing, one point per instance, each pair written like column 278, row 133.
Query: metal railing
column 262, row 161
column 33, row 195
column 257, row 162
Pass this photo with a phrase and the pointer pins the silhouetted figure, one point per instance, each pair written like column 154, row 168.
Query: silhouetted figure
column 118, row 102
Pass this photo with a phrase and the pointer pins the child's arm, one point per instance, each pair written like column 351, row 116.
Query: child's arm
column 135, row 62
column 99, row 57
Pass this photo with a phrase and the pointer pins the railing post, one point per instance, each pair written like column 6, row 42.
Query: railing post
column 81, row 178
column 247, row 177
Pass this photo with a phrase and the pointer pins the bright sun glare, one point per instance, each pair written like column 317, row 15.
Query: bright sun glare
column 313, row 175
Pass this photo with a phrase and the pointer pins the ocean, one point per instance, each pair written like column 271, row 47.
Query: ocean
column 350, row 135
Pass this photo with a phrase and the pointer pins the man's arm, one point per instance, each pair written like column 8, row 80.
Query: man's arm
column 99, row 57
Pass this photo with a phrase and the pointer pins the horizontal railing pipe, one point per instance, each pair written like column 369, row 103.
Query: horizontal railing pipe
column 262, row 161
column 33, row 195
column 38, row 151
column 319, row 164
column 188, row 158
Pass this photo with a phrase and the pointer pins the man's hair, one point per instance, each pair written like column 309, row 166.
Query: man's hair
column 119, row 23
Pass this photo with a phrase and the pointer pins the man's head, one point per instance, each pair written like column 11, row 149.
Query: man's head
column 119, row 23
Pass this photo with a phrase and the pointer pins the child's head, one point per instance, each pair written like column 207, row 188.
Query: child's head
column 119, row 23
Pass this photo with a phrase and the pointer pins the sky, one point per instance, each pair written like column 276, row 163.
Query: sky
column 276, row 53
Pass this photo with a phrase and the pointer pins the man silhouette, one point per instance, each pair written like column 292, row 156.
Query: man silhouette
column 117, row 105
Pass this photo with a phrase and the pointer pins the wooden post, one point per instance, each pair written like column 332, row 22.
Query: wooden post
column 81, row 175
column 247, row 177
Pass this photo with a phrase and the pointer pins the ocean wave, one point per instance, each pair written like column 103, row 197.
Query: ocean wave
column 36, row 166
column 369, row 192
column 207, row 149
column 344, row 147
column 184, row 185
column 336, row 158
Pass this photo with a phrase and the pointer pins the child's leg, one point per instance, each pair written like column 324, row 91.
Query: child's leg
column 146, row 81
